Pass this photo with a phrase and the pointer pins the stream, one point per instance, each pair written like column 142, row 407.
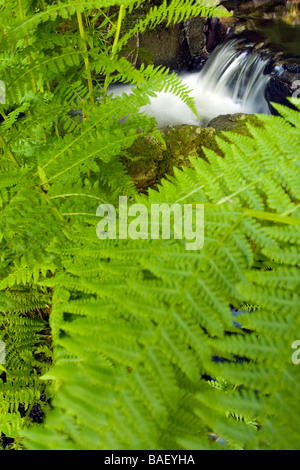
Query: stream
column 255, row 65
column 231, row 81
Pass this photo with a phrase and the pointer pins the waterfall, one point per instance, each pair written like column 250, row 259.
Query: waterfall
column 231, row 81
column 236, row 74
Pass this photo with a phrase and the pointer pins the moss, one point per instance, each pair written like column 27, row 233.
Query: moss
column 235, row 122
column 147, row 161
column 141, row 161
column 136, row 15
column 182, row 142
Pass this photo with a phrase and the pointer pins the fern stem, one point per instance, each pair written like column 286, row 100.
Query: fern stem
column 86, row 59
column 10, row 154
column 77, row 194
column 53, row 206
column 78, row 213
column 21, row 11
column 107, row 18
column 56, row 130
column 273, row 217
column 114, row 47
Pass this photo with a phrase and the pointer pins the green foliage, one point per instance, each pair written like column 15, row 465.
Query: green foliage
column 27, row 354
column 135, row 323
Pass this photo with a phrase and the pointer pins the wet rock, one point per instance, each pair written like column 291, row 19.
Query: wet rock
column 282, row 65
column 285, row 81
column 240, row 7
column 179, row 47
column 5, row 441
column 235, row 122
column 279, row 33
column 218, row 30
column 142, row 160
column 165, row 46
column 147, row 161
column 195, row 35
column 277, row 92
column 283, row 69
column 277, row 20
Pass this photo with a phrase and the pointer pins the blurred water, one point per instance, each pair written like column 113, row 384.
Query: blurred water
column 231, row 81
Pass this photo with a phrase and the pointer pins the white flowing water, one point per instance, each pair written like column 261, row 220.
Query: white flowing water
column 232, row 81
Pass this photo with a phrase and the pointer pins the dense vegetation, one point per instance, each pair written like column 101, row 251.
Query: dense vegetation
column 131, row 344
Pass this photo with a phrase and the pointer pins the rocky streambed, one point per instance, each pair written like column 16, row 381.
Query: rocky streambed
column 270, row 27
column 265, row 28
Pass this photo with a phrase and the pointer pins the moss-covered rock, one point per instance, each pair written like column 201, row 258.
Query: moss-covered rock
column 235, row 122
column 148, row 161
column 142, row 160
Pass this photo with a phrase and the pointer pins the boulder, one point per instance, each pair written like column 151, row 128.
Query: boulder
column 164, row 46
column 148, row 161
column 218, row 30
column 195, row 29
column 179, row 47
column 235, row 122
